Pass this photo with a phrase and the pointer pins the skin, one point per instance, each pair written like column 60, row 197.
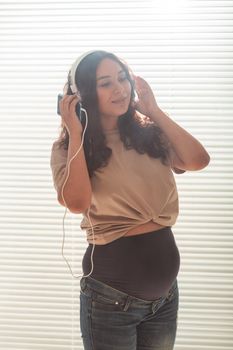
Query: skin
column 112, row 86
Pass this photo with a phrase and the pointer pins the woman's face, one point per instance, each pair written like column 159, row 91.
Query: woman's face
column 113, row 89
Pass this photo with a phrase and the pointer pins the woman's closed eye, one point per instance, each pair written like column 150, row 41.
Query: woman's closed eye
column 108, row 83
column 105, row 84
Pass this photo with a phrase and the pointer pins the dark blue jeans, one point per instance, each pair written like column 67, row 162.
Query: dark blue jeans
column 113, row 320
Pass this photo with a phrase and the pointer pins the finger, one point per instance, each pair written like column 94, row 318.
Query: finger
column 135, row 76
column 68, row 106
column 137, row 83
column 74, row 98
column 66, row 100
column 64, row 103
column 69, row 97
column 74, row 101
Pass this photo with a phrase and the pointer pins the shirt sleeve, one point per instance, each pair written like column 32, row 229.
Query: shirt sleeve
column 58, row 160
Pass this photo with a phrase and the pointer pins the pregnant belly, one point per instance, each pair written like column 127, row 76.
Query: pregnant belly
column 144, row 266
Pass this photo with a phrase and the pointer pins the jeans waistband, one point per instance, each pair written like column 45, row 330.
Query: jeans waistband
column 107, row 290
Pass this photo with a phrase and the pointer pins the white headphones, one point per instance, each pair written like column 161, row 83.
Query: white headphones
column 74, row 66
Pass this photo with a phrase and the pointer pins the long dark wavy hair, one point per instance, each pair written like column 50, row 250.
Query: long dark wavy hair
column 136, row 131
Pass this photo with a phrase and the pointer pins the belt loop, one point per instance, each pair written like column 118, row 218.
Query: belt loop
column 83, row 283
column 128, row 300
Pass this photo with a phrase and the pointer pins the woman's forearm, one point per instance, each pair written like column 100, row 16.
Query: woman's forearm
column 187, row 148
column 77, row 190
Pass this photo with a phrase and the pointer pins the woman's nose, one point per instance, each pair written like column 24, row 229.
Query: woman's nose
column 118, row 88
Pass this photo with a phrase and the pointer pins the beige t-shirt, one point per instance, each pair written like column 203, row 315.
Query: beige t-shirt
column 131, row 190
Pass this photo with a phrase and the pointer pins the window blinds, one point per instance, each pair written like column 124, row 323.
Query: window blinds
column 184, row 50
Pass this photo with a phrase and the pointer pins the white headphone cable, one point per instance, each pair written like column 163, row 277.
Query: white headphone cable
column 63, row 222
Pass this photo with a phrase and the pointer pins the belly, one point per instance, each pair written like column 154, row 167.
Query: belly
column 142, row 265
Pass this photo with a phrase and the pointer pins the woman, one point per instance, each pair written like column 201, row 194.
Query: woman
column 122, row 182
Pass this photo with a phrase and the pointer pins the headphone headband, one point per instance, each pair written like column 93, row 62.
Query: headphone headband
column 73, row 69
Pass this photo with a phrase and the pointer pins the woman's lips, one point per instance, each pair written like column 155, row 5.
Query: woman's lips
column 120, row 100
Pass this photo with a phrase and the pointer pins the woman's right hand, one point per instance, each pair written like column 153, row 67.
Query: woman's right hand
column 67, row 107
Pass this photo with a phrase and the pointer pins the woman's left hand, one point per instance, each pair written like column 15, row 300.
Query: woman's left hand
column 146, row 103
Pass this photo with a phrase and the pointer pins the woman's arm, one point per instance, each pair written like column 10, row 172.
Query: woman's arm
column 187, row 153
column 77, row 190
